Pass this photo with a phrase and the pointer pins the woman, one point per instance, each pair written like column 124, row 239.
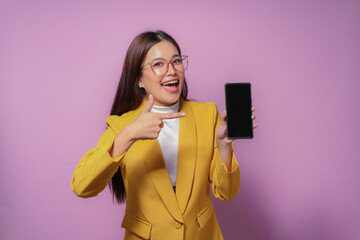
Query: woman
column 161, row 149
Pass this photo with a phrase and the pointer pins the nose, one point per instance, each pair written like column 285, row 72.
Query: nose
column 171, row 70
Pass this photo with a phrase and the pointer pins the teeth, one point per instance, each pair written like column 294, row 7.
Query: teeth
column 170, row 82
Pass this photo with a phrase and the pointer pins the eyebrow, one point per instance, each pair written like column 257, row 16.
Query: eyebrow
column 175, row 55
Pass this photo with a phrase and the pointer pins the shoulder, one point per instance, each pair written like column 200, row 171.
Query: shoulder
column 203, row 110
column 116, row 123
column 201, row 107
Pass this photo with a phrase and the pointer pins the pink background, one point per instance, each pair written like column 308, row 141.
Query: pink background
column 60, row 62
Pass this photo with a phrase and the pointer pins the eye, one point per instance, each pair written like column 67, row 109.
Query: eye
column 158, row 64
column 177, row 60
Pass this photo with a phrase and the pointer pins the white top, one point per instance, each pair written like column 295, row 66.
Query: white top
column 169, row 139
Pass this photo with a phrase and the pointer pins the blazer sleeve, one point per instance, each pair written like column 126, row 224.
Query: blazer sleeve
column 96, row 167
column 225, row 184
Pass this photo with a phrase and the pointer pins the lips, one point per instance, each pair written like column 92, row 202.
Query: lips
column 171, row 85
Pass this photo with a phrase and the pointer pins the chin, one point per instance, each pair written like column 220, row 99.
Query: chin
column 172, row 100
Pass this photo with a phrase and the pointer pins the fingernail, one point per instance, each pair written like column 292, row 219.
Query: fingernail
column 182, row 114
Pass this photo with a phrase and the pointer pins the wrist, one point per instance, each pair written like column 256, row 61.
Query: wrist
column 224, row 144
column 122, row 142
column 225, row 151
column 128, row 135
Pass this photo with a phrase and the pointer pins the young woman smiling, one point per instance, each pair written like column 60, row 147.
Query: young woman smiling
column 160, row 150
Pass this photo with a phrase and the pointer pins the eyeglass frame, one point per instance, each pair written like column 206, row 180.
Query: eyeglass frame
column 167, row 63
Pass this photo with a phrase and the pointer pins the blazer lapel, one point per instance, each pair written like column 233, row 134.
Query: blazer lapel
column 154, row 162
column 187, row 156
column 156, row 168
column 150, row 152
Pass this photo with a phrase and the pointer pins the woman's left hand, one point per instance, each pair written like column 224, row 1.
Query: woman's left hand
column 221, row 136
column 223, row 143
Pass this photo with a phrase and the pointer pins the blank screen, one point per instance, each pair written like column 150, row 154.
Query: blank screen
column 238, row 106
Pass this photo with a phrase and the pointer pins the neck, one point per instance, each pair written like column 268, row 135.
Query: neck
column 166, row 109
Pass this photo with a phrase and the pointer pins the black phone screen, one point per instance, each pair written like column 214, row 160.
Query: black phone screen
column 238, row 107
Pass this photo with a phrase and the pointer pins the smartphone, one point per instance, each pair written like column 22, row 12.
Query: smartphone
column 238, row 107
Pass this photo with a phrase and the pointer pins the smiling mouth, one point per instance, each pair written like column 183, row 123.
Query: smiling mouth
column 171, row 86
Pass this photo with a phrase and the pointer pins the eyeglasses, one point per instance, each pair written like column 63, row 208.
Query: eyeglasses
column 160, row 66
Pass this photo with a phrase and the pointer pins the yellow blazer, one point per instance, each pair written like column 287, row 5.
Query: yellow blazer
column 153, row 210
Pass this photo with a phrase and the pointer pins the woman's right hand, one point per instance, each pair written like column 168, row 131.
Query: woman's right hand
column 147, row 125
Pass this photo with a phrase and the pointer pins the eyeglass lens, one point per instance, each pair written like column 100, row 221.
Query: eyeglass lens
column 160, row 66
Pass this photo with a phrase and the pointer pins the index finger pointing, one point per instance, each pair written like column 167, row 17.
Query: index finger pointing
column 171, row 115
column 149, row 104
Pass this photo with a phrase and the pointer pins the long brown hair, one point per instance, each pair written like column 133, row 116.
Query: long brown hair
column 128, row 95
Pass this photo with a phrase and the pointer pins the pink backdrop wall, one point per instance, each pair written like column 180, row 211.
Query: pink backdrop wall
column 60, row 62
